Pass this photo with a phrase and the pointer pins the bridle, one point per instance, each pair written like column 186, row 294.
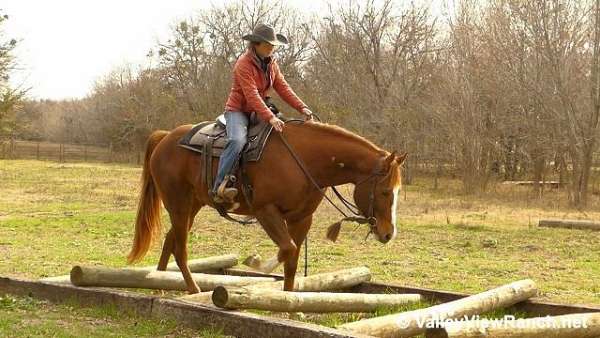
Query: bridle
column 357, row 216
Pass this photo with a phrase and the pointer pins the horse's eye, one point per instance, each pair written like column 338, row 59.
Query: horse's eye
column 386, row 192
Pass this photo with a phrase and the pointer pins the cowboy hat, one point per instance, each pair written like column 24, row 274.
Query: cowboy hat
column 264, row 32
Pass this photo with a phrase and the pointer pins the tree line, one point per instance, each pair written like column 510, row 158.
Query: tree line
column 486, row 90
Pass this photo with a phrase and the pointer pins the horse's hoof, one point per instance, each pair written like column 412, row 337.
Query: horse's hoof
column 194, row 291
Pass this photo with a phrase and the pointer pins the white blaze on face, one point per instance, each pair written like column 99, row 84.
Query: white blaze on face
column 394, row 206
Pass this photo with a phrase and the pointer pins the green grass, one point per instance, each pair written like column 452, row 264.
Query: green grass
column 28, row 317
column 336, row 319
column 54, row 215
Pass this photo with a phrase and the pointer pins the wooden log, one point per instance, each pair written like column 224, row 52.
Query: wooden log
column 317, row 302
column 193, row 316
column 204, row 297
column 337, row 280
column 62, row 279
column 554, row 184
column 582, row 325
column 256, row 262
column 412, row 323
column 164, row 280
column 205, row 264
column 569, row 224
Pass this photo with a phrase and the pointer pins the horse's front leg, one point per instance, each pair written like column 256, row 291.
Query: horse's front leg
column 275, row 226
column 298, row 230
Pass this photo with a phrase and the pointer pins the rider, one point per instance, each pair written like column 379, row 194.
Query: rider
column 254, row 73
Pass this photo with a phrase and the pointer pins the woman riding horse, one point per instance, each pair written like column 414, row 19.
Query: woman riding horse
column 253, row 75
column 288, row 183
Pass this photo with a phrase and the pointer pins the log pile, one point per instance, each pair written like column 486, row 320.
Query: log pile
column 327, row 293
column 408, row 324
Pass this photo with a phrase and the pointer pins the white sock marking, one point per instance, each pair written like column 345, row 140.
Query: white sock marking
column 394, row 206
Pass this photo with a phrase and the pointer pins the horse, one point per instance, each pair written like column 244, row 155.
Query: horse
column 284, row 196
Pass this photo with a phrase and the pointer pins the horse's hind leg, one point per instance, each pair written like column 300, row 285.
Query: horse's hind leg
column 180, row 222
column 169, row 244
column 182, row 208
column 167, row 250
column 274, row 224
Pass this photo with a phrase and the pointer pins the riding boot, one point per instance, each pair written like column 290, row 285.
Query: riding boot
column 226, row 193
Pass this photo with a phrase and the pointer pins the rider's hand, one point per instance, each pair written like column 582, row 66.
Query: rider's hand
column 276, row 123
column 307, row 114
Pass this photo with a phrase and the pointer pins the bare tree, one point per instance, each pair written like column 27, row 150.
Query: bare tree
column 9, row 97
column 500, row 89
column 372, row 62
column 563, row 33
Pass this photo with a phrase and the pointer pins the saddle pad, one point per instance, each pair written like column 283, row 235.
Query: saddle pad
column 210, row 131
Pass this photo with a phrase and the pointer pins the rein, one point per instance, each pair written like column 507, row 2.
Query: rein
column 357, row 216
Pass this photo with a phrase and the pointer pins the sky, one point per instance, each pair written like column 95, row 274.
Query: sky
column 65, row 45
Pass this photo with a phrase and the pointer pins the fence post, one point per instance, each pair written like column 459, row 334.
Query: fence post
column 12, row 148
column 110, row 153
column 84, row 153
column 37, row 152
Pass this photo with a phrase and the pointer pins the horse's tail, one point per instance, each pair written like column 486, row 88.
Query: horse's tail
column 147, row 224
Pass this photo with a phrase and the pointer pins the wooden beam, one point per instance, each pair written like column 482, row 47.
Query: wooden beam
column 584, row 325
column 205, row 264
column 329, row 281
column 412, row 323
column 569, row 224
column 164, row 280
column 533, row 307
column 555, row 184
column 194, row 316
column 316, row 302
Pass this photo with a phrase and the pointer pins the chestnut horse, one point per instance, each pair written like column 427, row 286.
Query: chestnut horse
column 284, row 197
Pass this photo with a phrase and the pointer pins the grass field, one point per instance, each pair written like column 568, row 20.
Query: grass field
column 54, row 215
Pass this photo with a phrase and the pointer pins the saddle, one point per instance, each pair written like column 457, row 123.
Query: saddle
column 214, row 135
column 209, row 139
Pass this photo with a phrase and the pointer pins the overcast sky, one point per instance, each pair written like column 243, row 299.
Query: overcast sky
column 67, row 44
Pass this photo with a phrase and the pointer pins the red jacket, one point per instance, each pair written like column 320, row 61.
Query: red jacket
column 250, row 87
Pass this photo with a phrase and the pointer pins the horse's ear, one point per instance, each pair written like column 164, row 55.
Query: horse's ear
column 391, row 157
column 400, row 158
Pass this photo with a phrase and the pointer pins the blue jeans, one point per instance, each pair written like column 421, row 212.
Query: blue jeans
column 237, row 133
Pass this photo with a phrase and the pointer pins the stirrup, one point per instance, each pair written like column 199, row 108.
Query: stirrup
column 214, row 196
column 225, row 193
column 228, row 194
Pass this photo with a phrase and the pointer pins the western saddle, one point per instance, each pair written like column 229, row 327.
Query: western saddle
column 209, row 139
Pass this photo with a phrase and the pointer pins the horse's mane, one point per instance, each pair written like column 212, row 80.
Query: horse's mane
column 340, row 131
column 395, row 178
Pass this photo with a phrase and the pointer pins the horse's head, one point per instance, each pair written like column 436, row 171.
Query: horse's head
column 377, row 196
